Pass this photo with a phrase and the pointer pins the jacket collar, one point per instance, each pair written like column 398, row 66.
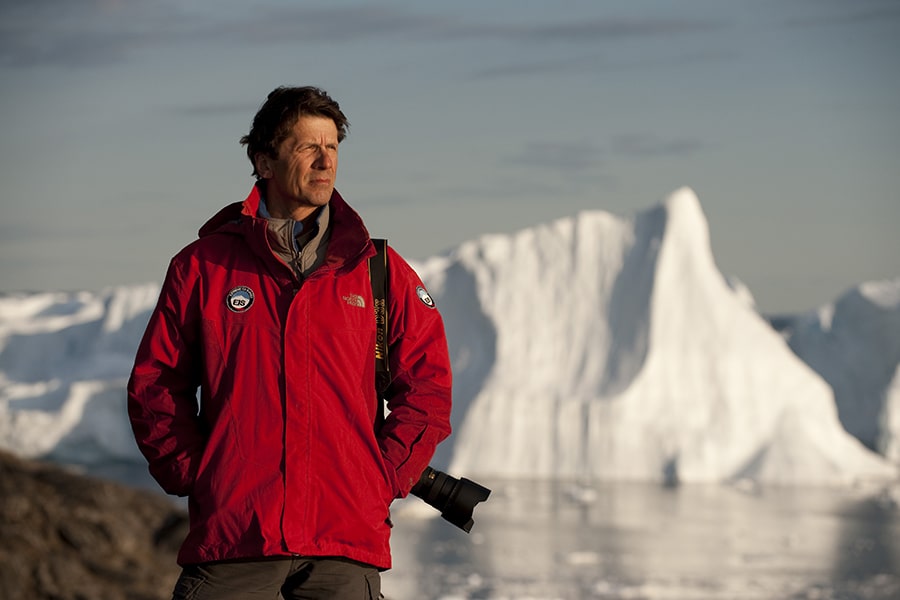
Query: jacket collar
column 349, row 242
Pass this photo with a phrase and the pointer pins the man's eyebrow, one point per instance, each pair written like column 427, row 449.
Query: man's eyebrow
column 314, row 143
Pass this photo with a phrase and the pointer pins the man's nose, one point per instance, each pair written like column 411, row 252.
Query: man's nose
column 325, row 160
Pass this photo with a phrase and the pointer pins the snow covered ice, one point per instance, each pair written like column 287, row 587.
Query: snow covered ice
column 595, row 347
column 854, row 344
column 64, row 362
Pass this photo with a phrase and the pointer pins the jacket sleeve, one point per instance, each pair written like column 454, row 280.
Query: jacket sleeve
column 162, row 389
column 419, row 396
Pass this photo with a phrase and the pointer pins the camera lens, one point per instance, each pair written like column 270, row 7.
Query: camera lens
column 455, row 498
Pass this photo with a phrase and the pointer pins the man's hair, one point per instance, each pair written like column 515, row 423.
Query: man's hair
column 280, row 112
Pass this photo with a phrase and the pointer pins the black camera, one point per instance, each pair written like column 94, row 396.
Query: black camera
column 455, row 498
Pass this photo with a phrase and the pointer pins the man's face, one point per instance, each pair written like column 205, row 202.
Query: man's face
column 301, row 177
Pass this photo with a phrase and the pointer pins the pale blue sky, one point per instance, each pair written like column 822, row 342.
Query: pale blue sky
column 121, row 122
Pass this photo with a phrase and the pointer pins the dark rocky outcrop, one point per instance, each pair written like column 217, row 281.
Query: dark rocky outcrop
column 64, row 536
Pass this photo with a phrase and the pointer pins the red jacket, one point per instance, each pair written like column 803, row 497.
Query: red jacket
column 281, row 456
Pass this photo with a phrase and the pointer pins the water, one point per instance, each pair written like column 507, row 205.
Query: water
column 561, row 541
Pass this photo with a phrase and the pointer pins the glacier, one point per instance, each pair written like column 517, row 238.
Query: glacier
column 595, row 347
column 854, row 344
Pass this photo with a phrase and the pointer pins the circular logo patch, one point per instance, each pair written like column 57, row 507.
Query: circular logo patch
column 239, row 299
column 424, row 296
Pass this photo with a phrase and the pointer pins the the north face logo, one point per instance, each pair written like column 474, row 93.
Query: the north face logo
column 354, row 300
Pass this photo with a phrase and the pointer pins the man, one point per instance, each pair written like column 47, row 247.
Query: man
column 270, row 314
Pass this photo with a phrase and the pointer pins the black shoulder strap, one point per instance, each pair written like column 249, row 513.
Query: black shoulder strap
column 378, row 266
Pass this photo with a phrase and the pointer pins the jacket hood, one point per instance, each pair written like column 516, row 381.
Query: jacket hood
column 349, row 237
column 229, row 217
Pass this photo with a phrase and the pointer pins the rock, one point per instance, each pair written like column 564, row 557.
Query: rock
column 66, row 536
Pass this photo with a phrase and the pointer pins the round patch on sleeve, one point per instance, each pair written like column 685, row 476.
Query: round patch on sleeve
column 424, row 296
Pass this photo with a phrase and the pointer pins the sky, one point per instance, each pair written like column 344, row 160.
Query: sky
column 121, row 122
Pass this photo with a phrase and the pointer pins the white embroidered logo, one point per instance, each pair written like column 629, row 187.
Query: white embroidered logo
column 354, row 300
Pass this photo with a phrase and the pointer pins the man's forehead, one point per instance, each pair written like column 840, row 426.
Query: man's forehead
column 310, row 129
column 315, row 125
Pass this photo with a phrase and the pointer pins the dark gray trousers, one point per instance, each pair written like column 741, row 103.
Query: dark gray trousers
column 298, row 578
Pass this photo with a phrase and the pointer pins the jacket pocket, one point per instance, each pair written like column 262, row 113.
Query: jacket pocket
column 373, row 585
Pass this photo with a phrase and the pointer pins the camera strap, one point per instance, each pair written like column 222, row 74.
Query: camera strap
column 378, row 274
column 455, row 498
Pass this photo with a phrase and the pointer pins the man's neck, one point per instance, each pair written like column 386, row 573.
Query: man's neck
column 279, row 209
column 304, row 214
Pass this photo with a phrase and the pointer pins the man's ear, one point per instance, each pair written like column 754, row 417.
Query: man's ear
column 263, row 165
